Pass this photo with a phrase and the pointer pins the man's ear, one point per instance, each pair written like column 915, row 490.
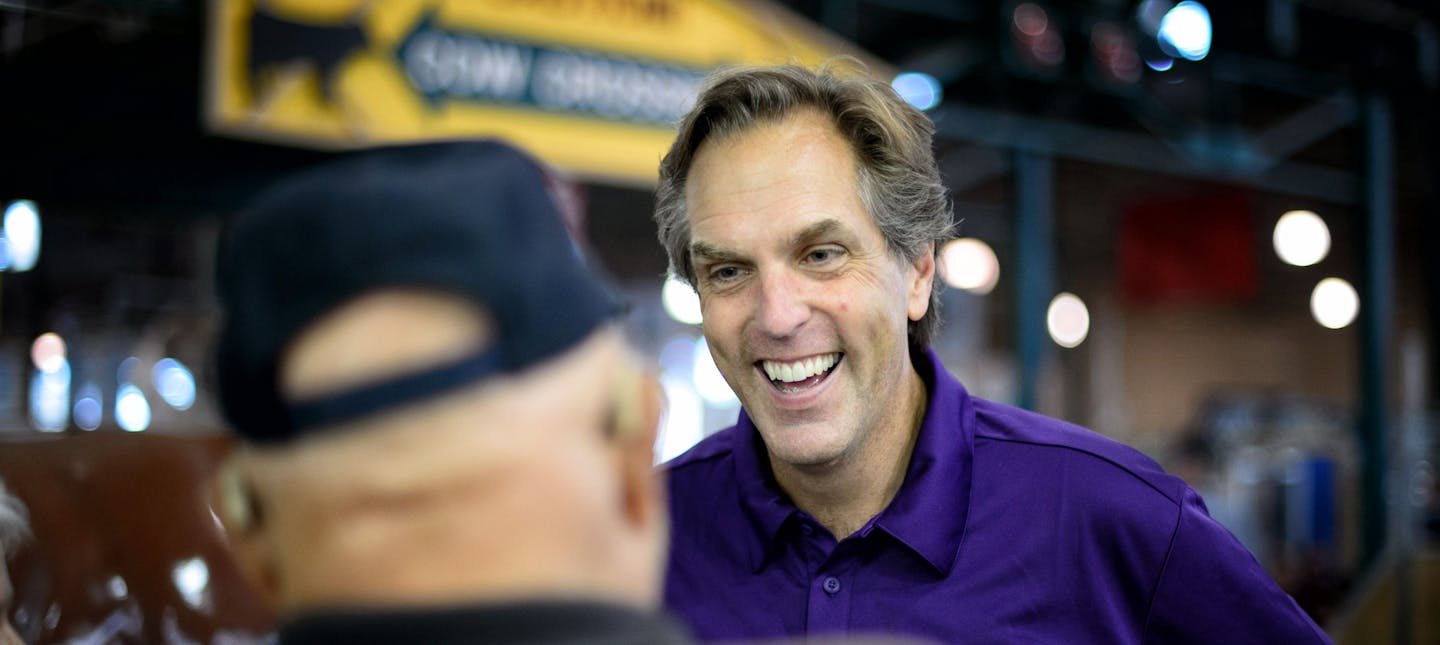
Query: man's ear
column 920, row 280
column 235, row 502
column 638, row 414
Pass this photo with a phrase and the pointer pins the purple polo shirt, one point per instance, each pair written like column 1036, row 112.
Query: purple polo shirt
column 1010, row 527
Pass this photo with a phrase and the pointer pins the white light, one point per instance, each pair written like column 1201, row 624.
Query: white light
column 1185, row 30
column 22, row 229
column 132, row 411
column 680, row 301
column 50, row 398
column 1301, row 238
column 683, row 423
column 118, row 589
column 174, row 383
column 1068, row 320
column 918, row 89
column 47, row 352
column 1334, row 303
column 708, row 381
column 969, row 264
column 192, row 579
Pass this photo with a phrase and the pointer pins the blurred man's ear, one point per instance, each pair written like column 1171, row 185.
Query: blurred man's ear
column 639, row 406
column 240, row 512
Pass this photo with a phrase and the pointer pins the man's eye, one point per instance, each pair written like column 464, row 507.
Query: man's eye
column 723, row 274
column 822, row 255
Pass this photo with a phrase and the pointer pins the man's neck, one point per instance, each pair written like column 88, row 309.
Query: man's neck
column 844, row 495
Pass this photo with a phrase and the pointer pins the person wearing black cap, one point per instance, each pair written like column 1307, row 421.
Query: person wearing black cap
column 444, row 439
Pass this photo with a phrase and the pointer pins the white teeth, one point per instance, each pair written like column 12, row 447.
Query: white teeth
column 799, row 370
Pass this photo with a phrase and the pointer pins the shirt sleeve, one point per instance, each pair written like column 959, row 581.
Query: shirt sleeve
column 1212, row 590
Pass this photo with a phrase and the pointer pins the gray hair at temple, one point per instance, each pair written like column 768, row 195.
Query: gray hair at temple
column 898, row 180
column 14, row 522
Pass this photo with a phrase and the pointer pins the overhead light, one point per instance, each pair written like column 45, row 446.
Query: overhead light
column 1185, row 31
column 969, row 264
column 1068, row 320
column 1334, row 303
column 1301, row 238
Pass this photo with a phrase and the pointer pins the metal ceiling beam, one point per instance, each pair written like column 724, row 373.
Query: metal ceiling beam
column 1308, row 126
column 1213, row 158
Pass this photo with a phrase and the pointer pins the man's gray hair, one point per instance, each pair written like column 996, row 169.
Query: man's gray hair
column 14, row 522
column 898, row 181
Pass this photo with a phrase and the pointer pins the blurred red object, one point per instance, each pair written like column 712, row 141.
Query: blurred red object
column 125, row 548
column 1187, row 250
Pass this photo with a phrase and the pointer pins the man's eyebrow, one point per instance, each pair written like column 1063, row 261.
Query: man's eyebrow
column 710, row 252
column 814, row 232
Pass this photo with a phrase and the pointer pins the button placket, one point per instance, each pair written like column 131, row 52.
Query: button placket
column 829, row 609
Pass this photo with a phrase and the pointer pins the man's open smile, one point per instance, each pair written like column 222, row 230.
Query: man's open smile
column 797, row 376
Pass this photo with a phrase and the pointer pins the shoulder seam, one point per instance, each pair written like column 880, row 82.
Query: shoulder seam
column 1178, row 502
column 1164, row 566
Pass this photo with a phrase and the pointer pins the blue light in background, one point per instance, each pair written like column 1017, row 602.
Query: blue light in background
column 89, row 409
column 174, row 383
column 918, row 89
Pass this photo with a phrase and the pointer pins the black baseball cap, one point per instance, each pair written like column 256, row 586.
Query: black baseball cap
column 472, row 218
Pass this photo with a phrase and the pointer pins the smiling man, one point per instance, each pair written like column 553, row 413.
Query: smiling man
column 862, row 489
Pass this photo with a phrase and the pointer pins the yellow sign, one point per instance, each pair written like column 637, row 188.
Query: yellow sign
column 591, row 86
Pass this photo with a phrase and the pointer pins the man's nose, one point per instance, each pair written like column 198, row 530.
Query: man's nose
column 784, row 307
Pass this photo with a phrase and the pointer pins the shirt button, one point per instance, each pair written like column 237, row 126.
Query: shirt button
column 831, row 585
column 806, row 528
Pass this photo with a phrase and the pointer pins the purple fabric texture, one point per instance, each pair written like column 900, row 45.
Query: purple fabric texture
column 1010, row 527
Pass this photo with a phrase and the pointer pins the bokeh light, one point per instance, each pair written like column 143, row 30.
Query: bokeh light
column 969, row 264
column 192, row 579
column 50, row 398
column 48, row 352
column 132, row 411
column 918, row 89
column 680, row 301
column 89, row 409
column 174, row 383
column 1185, row 31
column 1031, row 19
column 1334, row 303
column 1301, row 238
column 1068, row 320
column 22, row 233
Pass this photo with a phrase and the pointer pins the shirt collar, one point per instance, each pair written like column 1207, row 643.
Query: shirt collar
column 766, row 507
column 928, row 512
